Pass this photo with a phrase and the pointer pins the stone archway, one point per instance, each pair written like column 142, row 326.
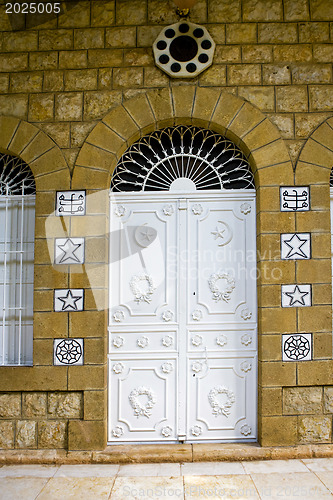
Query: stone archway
column 260, row 140
column 43, row 156
column 231, row 116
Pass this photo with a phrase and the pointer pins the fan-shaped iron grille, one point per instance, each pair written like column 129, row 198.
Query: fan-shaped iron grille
column 16, row 177
column 210, row 160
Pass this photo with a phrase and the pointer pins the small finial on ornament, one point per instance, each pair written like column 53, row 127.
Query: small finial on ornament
column 184, row 6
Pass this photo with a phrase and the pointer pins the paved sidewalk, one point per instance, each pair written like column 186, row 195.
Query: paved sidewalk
column 271, row 479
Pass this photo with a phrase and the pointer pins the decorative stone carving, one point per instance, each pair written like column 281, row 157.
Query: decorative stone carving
column 246, row 366
column 120, row 210
column 225, row 293
column 197, row 340
column 167, row 315
column 246, row 339
column 143, row 342
column 197, row 315
column 183, row 49
column 118, row 431
column 221, row 340
column 118, row 368
column 118, row 341
column 141, row 295
column 168, row 210
column 197, row 366
column 118, row 316
column 246, row 314
column 245, row 208
column 196, row 430
column 140, row 409
column 246, row 430
column 167, row 341
column 167, row 367
column 223, row 233
column 197, row 209
column 220, row 408
column 166, row 431
column 145, row 235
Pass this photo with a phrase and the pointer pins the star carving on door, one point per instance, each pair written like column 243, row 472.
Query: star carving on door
column 218, row 233
column 222, row 233
column 145, row 235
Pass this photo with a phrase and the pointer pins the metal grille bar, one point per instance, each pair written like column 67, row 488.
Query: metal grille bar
column 17, row 221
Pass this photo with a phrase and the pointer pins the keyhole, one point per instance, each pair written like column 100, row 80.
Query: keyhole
column 193, row 293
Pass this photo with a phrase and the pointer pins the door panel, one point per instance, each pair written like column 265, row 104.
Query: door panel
column 182, row 335
column 219, row 399
column 143, row 405
column 143, row 263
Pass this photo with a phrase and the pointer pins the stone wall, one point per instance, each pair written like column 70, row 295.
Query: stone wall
column 65, row 74
column 60, row 79
column 31, row 420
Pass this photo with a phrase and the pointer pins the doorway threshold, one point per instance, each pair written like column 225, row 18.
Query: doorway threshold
column 167, row 453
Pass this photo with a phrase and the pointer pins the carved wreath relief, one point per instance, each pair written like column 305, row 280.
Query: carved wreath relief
column 139, row 408
column 224, row 293
column 141, row 294
column 221, row 407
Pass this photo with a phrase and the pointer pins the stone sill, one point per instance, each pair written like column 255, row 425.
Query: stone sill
column 126, row 454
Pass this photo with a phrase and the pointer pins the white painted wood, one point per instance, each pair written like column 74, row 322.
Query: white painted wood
column 183, row 321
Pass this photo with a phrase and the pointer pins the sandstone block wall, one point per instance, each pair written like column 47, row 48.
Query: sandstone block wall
column 31, row 420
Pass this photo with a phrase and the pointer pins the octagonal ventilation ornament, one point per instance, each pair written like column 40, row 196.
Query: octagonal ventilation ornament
column 184, row 50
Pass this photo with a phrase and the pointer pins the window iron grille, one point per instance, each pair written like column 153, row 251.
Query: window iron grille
column 17, row 221
column 208, row 159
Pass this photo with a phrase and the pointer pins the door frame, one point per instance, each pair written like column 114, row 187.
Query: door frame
column 240, row 194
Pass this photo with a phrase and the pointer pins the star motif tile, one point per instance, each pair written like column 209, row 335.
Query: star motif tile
column 69, row 251
column 295, row 246
column 294, row 198
column 297, row 347
column 296, row 295
column 67, row 300
column 70, row 203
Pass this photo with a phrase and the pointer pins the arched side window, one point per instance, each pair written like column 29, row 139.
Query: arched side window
column 207, row 159
column 331, row 211
column 17, row 229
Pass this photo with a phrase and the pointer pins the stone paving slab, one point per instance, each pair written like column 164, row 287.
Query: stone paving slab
column 263, row 479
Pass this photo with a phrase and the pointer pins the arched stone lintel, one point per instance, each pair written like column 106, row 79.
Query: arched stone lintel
column 40, row 152
column 215, row 109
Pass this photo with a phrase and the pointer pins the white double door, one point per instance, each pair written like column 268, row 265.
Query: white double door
column 183, row 334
